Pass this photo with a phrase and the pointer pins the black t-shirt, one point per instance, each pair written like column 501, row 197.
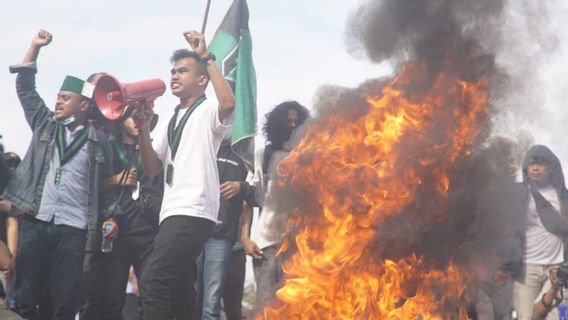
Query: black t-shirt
column 231, row 168
column 134, row 216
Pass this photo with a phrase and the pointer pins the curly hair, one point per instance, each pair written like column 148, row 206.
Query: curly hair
column 276, row 128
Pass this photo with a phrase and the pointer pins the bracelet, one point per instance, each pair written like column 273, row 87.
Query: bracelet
column 208, row 57
column 547, row 306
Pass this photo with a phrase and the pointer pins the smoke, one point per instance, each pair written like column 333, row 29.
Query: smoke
column 462, row 32
column 472, row 40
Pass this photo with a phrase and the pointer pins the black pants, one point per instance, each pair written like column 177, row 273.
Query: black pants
column 234, row 286
column 167, row 287
column 48, row 252
column 106, row 274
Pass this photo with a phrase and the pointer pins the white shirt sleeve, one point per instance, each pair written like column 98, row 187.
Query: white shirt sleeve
column 216, row 124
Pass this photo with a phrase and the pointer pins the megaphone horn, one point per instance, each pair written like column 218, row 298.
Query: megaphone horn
column 112, row 97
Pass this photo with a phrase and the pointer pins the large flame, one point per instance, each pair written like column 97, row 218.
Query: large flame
column 361, row 168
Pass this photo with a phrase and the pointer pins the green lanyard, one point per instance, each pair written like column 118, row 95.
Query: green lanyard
column 174, row 136
column 66, row 153
column 126, row 160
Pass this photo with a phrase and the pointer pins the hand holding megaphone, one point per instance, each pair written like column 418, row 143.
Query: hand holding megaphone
column 145, row 117
column 112, row 96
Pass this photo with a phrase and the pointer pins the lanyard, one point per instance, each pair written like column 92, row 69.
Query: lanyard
column 126, row 159
column 174, row 135
column 66, row 153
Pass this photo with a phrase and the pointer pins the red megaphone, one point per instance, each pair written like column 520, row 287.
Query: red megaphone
column 112, row 97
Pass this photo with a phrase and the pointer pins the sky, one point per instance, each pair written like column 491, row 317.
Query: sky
column 297, row 47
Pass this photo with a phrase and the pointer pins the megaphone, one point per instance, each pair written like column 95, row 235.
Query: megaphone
column 112, row 97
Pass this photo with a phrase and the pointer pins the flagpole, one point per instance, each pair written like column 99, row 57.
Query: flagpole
column 205, row 17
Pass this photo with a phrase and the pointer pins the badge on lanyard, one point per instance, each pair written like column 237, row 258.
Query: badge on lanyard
column 175, row 133
column 170, row 175
column 58, row 174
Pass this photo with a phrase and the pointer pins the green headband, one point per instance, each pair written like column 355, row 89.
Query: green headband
column 78, row 86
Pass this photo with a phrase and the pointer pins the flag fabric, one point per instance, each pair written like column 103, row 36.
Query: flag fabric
column 232, row 46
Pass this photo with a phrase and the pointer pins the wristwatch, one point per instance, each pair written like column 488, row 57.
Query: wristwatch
column 208, row 57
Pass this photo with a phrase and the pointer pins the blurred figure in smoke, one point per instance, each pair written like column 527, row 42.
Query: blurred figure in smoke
column 495, row 232
column 278, row 128
column 545, row 221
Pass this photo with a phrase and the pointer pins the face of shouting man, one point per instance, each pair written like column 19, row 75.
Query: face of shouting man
column 187, row 78
column 69, row 104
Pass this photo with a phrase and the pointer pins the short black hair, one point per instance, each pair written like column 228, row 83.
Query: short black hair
column 184, row 53
column 540, row 160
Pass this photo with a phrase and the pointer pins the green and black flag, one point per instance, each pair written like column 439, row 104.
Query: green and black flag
column 232, row 45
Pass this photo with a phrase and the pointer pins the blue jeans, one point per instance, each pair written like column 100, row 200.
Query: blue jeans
column 49, row 255
column 212, row 268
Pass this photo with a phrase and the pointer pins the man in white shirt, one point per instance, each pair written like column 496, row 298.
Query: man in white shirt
column 186, row 149
column 546, row 224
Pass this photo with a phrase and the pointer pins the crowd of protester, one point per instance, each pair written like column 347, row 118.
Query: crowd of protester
column 127, row 220
column 121, row 220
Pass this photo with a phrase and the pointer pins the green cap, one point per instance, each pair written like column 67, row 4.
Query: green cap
column 78, row 86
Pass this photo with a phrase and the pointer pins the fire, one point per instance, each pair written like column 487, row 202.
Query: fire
column 361, row 167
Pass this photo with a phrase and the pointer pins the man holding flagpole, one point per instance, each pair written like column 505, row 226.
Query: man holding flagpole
column 232, row 45
column 185, row 148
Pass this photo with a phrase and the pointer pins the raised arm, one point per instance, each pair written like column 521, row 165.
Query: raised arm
column 41, row 39
column 221, row 87
column 34, row 107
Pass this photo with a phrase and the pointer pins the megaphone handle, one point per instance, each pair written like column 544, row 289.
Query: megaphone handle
column 148, row 104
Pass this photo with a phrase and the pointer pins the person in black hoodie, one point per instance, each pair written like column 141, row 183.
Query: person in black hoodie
column 134, row 204
column 214, row 261
column 545, row 222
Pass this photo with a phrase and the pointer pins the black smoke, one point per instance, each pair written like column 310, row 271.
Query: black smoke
column 462, row 38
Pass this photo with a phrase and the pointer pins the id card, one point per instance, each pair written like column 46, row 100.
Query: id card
column 170, row 174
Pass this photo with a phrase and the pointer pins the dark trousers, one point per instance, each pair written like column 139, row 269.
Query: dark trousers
column 234, row 286
column 167, row 284
column 49, row 252
column 106, row 274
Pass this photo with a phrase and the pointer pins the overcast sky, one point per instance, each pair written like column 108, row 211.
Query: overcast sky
column 298, row 46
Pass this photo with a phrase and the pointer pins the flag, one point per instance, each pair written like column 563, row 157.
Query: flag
column 232, row 46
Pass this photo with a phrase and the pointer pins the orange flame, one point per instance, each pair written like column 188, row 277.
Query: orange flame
column 361, row 168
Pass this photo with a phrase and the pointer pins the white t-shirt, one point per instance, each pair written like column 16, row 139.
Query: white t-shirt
column 195, row 187
column 268, row 230
column 542, row 247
